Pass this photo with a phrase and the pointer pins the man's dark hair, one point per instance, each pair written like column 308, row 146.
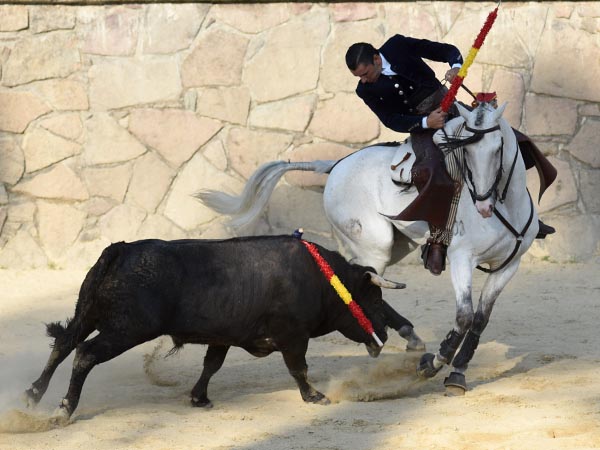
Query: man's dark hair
column 360, row 53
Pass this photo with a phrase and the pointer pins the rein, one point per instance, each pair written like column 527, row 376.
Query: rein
column 452, row 144
column 492, row 189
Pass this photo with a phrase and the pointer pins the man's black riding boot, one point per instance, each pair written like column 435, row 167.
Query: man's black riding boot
column 544, row 230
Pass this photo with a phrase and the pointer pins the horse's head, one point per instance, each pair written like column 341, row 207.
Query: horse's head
column 479, row 132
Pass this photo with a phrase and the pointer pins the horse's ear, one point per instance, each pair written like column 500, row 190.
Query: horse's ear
column 498, row 112
column 464, row 112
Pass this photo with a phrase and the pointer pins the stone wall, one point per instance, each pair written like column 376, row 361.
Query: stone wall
column 111, row 116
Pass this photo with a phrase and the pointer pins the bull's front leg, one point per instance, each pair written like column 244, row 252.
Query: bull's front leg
column 213, row 361
column 294, row 355
column 404, row 327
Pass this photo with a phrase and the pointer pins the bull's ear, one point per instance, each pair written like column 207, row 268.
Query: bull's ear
column 378, row 280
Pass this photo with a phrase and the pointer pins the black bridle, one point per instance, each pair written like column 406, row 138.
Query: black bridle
column 451, row 144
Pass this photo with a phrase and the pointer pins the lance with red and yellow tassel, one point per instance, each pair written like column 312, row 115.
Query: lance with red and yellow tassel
column 462, row 73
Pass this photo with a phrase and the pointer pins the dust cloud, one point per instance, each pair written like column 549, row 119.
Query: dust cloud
column 17, row 374
column 392, row 377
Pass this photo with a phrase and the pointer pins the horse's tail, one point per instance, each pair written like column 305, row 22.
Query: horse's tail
column 247, row 206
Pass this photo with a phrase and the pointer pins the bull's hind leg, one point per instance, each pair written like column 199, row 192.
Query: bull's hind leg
column 64, row 343
column 495, row 283
column 215, row 355
column 101, row 348
column 294, row 356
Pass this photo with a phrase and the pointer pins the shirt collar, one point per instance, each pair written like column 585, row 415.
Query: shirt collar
column 386, row 67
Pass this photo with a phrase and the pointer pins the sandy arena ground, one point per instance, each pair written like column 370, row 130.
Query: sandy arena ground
column 534, row 382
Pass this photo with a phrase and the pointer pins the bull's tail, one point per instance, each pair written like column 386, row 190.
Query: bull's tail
column 82, row 324
column 246, row 207
column 76, row 330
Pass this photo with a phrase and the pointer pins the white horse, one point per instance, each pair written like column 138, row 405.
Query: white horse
column 495, row 224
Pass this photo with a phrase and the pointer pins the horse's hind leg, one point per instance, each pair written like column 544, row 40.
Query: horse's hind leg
column 64, row 343
column 492, row 288
column 368, row 240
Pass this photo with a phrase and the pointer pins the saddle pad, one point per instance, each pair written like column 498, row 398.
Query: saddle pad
column 402, row 163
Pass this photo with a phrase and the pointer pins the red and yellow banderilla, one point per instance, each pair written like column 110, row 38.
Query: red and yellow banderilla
column 341, row 290
column 462, row 73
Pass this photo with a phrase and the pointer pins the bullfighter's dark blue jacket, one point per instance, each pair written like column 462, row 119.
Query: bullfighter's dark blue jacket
column 394, row 99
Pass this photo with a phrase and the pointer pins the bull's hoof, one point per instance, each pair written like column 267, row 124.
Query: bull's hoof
column 426, row 369
column 374, row 350
column 456, row 384
column 415, row 345
column 318, row 399
column 413, row 341
column 204, row 403
column 60, row 417
column 324, row 401
column 31, row 397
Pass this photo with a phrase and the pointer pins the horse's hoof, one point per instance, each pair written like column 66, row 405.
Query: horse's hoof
column 456, row 384
column 197, row 403
column 426, row 369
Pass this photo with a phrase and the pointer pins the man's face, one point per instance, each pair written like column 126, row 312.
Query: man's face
column 368, row 73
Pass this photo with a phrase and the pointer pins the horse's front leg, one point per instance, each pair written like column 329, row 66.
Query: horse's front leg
column 462, row 276
column 456, row 383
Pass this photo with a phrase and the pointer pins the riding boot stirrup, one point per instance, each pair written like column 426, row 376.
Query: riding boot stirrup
column 434, row 256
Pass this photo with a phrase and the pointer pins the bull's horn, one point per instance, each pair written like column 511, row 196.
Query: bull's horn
column 378, row 280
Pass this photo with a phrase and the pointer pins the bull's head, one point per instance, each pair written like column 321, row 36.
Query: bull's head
column 367, row 293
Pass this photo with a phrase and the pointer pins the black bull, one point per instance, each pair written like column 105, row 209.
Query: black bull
column 262, row 294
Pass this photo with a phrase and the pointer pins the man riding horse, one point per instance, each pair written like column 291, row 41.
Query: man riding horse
column 404, row 93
